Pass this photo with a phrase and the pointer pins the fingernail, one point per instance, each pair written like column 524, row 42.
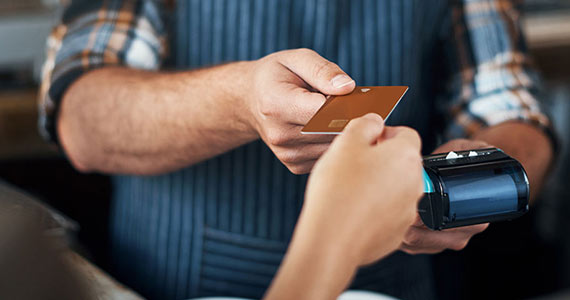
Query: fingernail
column 341, row 81
column 373, row 116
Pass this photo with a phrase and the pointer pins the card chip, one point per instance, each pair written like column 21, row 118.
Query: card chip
column 338, row 123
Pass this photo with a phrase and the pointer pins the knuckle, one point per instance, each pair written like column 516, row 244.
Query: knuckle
column 293, row 169
column 410, row 155
column 321, row 68
column 262, row 65
column 289, row 157
column 277, row 138
column 415, row 135
column 267, row 110
column 371, row 120
column 411, row 217
column 412, row 132
column 458, row 142
column 410, row 163
column 304, row 51
column 419, row 192
column 276, row 55
column 482, row 227
column 356, row 125
column 297, row 169
column 78, row 163
column 460, row 245
column 413, row 238
column 411, row 251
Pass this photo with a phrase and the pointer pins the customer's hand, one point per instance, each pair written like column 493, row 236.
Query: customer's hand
column 362, row 195
column 420, row 239
column 287, row 89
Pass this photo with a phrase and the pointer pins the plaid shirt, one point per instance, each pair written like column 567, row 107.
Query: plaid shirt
column 491, row 85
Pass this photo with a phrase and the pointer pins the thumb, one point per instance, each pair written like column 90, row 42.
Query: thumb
column 319, row 73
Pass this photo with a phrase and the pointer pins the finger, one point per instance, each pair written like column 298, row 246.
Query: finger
column 478, row 144
column 461, row 145
column 292, row 137
column 303, row 168
column 321, row 74
column 473, row 229
column 300, row 155
column 292, row 104
column 428, row 241
column 310, row 139
column 402, row 134
column 364, row 130
column 418, row 222
column 302, row 106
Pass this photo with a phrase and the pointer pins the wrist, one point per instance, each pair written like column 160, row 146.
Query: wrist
column 241, row 87
column 331, row 244
column 312, row 269
column 333, row 241
column 225, row 89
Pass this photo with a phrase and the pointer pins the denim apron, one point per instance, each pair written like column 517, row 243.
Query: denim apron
column 221, row 227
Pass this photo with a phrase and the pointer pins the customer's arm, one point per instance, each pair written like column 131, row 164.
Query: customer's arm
column 117, row 119
column 361, row 197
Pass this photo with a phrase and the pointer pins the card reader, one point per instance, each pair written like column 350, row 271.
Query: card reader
column 472, row 187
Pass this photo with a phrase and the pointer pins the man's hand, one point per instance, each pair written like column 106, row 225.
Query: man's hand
column 361, row 197
column 287, row 89
column 420, row 239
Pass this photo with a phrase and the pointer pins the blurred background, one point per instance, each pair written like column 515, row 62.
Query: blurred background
column 525, row 259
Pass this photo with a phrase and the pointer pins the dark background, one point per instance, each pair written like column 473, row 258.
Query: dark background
column 525, row 258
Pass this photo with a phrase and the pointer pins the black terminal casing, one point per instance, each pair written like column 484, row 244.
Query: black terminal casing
column 485, row 187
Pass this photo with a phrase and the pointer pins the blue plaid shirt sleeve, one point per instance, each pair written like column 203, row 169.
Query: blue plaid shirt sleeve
column 96, row 33
column 492, row 79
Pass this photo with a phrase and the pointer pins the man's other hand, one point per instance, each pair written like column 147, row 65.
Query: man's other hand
column 287, row 88
column 419, row 239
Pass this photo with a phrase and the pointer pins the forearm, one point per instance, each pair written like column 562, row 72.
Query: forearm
column 119, row 120
column 527, row 144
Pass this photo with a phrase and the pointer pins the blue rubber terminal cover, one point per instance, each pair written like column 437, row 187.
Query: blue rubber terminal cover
column 428, row 185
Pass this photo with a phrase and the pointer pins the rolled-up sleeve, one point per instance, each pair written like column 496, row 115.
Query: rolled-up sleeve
column 493, row 80
column 93, row 34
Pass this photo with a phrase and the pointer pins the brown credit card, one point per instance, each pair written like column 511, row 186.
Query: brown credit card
column 337, row 111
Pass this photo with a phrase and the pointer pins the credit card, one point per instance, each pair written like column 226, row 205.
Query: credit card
column 337, row 111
